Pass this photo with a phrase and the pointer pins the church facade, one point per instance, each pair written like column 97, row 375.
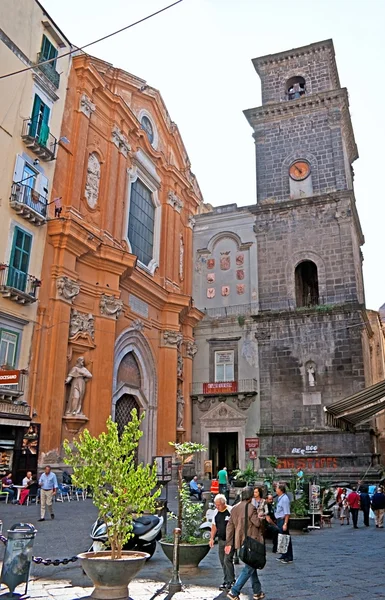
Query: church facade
column 281, row 283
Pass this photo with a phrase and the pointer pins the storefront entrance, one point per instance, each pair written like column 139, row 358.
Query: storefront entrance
column 223, row 451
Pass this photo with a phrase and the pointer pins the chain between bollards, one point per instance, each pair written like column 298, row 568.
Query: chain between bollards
column 175, row 584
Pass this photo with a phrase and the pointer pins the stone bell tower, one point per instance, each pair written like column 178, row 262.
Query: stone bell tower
column 312, row 325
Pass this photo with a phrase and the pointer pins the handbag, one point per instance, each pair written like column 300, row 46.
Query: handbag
column 283, row 543
column 252, row 552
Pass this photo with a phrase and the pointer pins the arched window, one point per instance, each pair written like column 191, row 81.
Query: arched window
column 128, row 372
column 123, row 409
column 306, row 284
column 295, row 88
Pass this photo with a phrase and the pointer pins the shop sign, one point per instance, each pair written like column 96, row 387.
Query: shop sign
column 314, row 498
column 9, row 377
column 253, row 454
column 251, row 443
column 220, row 387
column 307, row 450
column 329, row 462
column 163, row 467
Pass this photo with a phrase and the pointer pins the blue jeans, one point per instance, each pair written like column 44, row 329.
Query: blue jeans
column 289, row 554
column 244, row 576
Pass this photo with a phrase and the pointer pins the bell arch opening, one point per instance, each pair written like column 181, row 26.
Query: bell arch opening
column 295, row 88
column 306, row 284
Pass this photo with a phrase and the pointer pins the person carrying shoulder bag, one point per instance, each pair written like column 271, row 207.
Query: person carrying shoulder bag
column 238, row 529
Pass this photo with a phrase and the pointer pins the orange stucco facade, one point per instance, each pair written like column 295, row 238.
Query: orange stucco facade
column 131, row 321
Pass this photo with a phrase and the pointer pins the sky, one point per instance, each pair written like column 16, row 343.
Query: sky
column 198, row 54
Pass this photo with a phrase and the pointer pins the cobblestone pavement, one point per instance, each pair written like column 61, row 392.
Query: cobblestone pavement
column 331, row 563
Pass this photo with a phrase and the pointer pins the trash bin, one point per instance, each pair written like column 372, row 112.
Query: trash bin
column 18, row 556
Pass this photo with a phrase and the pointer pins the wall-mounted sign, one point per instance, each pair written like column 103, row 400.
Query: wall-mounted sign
column 208, row 466
column 251, row 443
column 220, row 387
column 306, row 450
column 9, row 377
column 163, row 467
column 253, row 454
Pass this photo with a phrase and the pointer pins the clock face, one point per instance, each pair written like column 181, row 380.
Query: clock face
column 299, row 170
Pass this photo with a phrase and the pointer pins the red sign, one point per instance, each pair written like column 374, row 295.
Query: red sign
column 253, row 454
column 9, row 377
column 220, row 387
column 328, row 462
column 251, row 443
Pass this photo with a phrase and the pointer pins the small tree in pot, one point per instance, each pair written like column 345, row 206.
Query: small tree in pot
column 121, row 488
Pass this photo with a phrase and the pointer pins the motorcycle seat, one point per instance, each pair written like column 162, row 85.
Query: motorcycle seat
column 143, row 524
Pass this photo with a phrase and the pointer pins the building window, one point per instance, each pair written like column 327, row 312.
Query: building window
column 141, row 222
column 38, row 127
column 295, row 88
column 19, row 261
column 306, row 284
column 224, row 365
column 48, row 52
column 148, row 128
column 8, row 348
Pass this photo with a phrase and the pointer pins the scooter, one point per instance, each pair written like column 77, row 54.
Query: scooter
column 146, row 530
column 205, row 527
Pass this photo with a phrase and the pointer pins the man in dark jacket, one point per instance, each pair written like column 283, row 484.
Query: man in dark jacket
column 235, row 535
column 378, row 507
column 365, row 503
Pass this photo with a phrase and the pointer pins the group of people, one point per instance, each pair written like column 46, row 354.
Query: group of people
column 350, row 505
column 229, row 527
column 47, row 486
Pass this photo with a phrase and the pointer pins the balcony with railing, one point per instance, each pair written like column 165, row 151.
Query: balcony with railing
column 17, row 285
column 38, row 138
column 225, row 388
column 49, row 70
column 11, row 391
column 28, row 203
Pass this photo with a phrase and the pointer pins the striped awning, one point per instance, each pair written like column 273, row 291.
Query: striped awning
column 357, row 409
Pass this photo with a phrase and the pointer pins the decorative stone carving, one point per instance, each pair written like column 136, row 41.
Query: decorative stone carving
column 210, row 263
column 174, row 201
column 137, row 325
column 239, row 259
column 240, row 274
column 93, row 179
column 225, row 261
column 225, row 290
column 171, row 337
column 311, row 373
column 77, row 378
column 67, row 288
column 86, row 106
column 81, row 325
column 180, row 411
column 181, row 257
column 204, row 403
column 210, row 292
column 179, row 369
column 244, row 402
column 191, row 222
column 210, row 277
column 191, row 349
column 260, row 227
column 240, row 289
column 110, row 306
column 120, row 141
column 262, row 335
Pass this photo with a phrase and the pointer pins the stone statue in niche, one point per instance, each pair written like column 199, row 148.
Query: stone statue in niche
column 210, row 277
column 180, row 410
column 225, row 261
column 239, row 260
column 93, row 178
column 210, row 292
column 181, row 257
column 77, row 378
column 210, row 263
column 225, row 290
column 311, row 374
column 240, row 274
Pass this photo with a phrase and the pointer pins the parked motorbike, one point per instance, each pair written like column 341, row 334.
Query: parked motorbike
column 146, row 530
column 205, row 527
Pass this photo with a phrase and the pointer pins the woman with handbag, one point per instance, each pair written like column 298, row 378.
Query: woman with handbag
column 244, row 533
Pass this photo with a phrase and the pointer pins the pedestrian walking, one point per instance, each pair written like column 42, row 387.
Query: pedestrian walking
column 378, row 507
column 48, row 487
column 365, row 503
column 220, row 519
column 235, row 535
column 223, row 481
column 344, row 507
column 282, row 515
column 353, row 501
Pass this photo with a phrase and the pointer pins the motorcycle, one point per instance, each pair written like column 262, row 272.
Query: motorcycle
column 205, row 527
column 147, row 530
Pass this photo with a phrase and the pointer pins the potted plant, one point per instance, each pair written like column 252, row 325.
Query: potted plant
column 193, row 547
column 245, row 476
column 121, row 490
column 299, row 505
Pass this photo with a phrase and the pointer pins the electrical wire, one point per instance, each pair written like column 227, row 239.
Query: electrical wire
column 76, row 49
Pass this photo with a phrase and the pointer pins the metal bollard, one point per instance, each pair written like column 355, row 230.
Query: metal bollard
column 17, row 558
column 175, row 584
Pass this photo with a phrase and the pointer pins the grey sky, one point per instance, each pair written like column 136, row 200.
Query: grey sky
column 198, row 54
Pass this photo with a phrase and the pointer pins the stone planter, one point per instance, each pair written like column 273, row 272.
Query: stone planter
column 111, row 577
column 190, row 555
column 299, row 523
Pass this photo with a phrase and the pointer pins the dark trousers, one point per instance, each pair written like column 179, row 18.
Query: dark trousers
column 274, row 534
column 366, row 516
column 223, row 489
column 289, row 554
column 354, row 512
column 226, row 561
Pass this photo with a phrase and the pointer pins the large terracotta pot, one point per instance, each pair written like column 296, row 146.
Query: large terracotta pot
column 190, row 555
column 111, row 577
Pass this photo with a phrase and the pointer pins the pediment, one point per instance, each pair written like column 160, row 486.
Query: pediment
column 223, row 412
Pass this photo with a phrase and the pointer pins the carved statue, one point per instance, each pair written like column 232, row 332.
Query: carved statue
column 311, row 375
column 81, row 324
column 180, row 410
column 67, row 288
column 93, row 177
column 109, row 305
column 77, row 377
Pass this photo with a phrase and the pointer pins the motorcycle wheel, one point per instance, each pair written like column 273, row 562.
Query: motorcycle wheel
column 206, row 534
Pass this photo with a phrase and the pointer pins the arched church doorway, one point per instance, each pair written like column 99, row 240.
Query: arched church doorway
column 123, row 409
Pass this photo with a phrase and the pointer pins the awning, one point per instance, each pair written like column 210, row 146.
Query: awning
column 357, row 409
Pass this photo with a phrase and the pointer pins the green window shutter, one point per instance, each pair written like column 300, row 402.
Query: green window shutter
column 37, row 104
column 9, row 341
column 46, row 112
column 48, row 51
column 19, row 262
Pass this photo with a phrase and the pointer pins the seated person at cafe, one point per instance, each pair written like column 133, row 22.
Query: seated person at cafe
column 27, row 481
column 7, row 486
